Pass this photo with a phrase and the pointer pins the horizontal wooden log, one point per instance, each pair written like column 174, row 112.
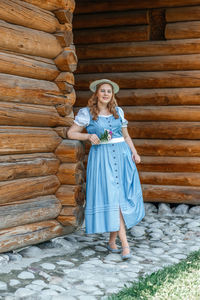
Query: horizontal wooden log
column 118, row 5
column 171, row 194
column 28, row 41
column 27, row 90
column 179, row 14
column 30, row 234
column 27, row 165
column 165, row 96
column 27, row 15
column 71, row 173
column 168, row 178
column 32, row 115
column 28, row 66
column 133, row 49
column 182, row 30
column 61, row 131
column 29, row 211
column 111, row 19
column 27, row 188
column 162, row 113
column 70, row 210
column 70, row 151
column 135, row 64
column 151, row 147
column 165, row 130
column 54, row 4
column 64, row 110
column 16, row 139
column 65, row 77
column 71, row 97
column 169, row 164
column 67, row 60
column 113, row 35
column 68, row 221
column 64, row 16
column 71, row 195
column 65, row 37
column 70, row 215
column 144, row 79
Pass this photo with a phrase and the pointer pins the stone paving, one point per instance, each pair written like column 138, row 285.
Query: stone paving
column 79, row 266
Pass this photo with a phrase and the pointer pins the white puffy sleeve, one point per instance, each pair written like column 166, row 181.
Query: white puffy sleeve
column 121, row 113
column 83, row 117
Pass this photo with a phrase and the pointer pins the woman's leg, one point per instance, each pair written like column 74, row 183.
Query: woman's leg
column 122, row 236
column 113, row 236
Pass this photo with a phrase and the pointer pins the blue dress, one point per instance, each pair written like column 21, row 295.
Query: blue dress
column 112, row 177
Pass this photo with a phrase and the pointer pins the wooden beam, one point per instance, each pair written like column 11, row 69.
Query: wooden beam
column 113, row 35
column 29, row 211
column 182, row 30
column 30, row 234
column 67, row 60
column 64, row 16
column 137, row 97
column 71, row 173
column 15, row 140
column 71, row 195
column 139, row 17
column 28, row 41
column 54, row 4
column 70, row 151
column 28, row 15
column 178, row 14
column 133, row 49
column 27, row 165
column 171, row 194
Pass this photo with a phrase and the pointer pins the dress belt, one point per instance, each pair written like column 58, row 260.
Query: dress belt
column 113, row 141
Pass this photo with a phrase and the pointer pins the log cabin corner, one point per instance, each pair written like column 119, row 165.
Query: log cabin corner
column 50, row 51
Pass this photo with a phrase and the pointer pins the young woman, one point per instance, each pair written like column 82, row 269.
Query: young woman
column 113, row 191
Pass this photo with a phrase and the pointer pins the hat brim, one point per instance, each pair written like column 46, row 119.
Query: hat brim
column 94, row 84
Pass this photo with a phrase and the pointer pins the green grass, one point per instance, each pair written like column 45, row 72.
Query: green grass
column 176, row 282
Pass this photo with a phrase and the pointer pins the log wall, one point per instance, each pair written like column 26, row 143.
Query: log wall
column 41, row 172
column 152, row 50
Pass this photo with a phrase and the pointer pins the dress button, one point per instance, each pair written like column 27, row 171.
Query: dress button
column 116, row 176
column 115, row 170
column 112, row 144
column 114, row 157
column 113, row 150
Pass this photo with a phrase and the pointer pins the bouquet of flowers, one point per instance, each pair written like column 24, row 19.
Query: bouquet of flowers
column 106, row 136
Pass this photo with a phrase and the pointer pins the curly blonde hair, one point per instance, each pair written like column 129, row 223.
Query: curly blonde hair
column 93, row 101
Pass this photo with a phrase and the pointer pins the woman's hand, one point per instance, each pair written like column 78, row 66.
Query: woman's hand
column 93, row 138
column 136, row 158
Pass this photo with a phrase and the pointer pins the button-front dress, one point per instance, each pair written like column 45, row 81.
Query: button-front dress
column 112, row 181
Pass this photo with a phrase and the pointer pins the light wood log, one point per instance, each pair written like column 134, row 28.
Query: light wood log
column 28, row 15
column 165, row 96
column 17, row 139
column 182, row 14
column 153, row 147
column 67, row 60
column 65, row 77
column 133, row 49
column 182, row 30
column 28, row 41
column 32, row 115
column 70, row 215
column 61, row 131
column 165, row 130
column 71, row 173
column 54, row 4
column 162, row 113
column 29, row 211
column 167, row 178
column 27, row 165
column 113, row 35
column 64, row 86
column 64, row 16
column 21, row 189
column 144, row 79
column 118, row 5
column 27, row 90
column 169, row 164
column 30, row 234
column 28, row 66
column 64, row 110
column 68, row 221
column 70, row 151
column 71, row 98
column 71, row 195
column 65, row 38
column 171, row 194
column 134, row 64
column 111, row 19
column 70, row 210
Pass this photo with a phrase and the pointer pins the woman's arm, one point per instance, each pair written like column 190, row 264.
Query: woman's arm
column 128, row 140
column 75, row 133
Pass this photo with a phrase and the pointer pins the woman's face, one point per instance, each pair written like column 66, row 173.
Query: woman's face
column 104, row 93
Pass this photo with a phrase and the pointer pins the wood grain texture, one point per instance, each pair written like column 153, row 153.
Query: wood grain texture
column 53, row 4
column 182, row 30
column 71, row 173
column 178, row 14
column 70, row 151
column 71, row 195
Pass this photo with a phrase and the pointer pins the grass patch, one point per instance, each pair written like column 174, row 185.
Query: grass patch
column 177, row 282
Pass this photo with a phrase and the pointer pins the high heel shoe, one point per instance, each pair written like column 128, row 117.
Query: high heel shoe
column 113, row 250
column 127, row 256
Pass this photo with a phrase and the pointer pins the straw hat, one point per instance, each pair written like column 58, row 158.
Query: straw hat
column 94, row 84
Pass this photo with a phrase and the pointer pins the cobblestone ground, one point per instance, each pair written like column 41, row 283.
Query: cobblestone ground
column 79, row 266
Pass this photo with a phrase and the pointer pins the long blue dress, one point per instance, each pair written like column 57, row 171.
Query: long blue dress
column 112, row 177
